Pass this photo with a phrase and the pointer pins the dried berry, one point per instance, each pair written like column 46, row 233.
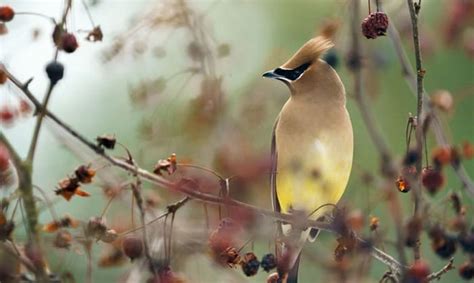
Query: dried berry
column 411, row 157
column 375, row 25
column 84, row 174
column 55, row 71
column 443, row 244
column 250, row 264
column 4, row 158
column 432, row 179
column 402, row 184
column 69, row 187
column 442, row 155
column 69, row 42
column 443, row 100
column 107, row 141
column 466, row 270
column 132, row 247
column 467, row 150
column 268, row 262
column 6, row 14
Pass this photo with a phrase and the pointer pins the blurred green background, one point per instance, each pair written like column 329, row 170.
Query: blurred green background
column 143, row 97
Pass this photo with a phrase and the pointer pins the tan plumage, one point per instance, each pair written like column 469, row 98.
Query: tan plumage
column 312, row 146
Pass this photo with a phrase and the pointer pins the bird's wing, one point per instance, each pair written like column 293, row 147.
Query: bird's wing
column 273, row 176
column 273, row 168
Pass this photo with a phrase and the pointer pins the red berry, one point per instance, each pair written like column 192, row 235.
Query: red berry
column 432, row 179
column 6, row 14
column 7, row 115
column 375, row 25
column 132, row 247
column 4, row 158
column 69, row 42
column 419, row 270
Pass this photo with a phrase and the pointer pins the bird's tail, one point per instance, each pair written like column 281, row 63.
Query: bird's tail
column 293, row 274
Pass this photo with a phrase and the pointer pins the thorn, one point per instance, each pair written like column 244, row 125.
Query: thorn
column 27, row 83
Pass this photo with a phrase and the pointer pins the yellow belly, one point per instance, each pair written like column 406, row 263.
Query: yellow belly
column 312, row 169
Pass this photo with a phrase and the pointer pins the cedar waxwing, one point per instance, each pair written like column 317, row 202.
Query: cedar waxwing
column 312, row 145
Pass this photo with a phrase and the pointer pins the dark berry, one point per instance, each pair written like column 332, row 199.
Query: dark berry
column 466, row 270
column 375, row 25
column 411, row 157
column 132, row 247
column 466, row 240
column 55, row 71
column 268, row 262
column 6, row 14
column 445, row 247
column 250, row 264
column 69, row 42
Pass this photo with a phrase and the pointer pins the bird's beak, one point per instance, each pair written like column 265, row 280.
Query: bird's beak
column 271, row 75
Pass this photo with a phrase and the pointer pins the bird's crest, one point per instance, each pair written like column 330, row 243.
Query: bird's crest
column 309, row 52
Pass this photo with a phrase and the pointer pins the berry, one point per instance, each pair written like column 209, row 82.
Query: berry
column 7, row 115
column 268, row 262
column 4, row 158
column 250, row 264
column 432, row 179
column 467, row 150
column 69, row 42
column 132, row 247
column 6, row 14
column 3, row 77
column 466, row 240
column 443, row 244
column 418, row 271
column 466, row 270
column 55, row 71
column 375, row 25
column 411, row 157
column 442, row 155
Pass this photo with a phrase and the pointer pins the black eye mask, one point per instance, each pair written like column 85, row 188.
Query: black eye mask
column 293, row 74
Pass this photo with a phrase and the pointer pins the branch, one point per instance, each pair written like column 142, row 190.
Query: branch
column 191, row 191
column 410, row 78
column 420, row 118
column 437, row 275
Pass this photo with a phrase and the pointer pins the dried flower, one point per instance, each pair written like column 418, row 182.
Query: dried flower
column 95, row 34
column 96, row 227
column 107, row 141
column 65, row 222
column 109, row 236
column 375, row 25
column 63, row 239
column 169, row 165
column 230, row 257
column 6, row 14
column 374, row 223
column 84, row 174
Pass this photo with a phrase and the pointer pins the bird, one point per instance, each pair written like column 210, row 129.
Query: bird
column 312, row 146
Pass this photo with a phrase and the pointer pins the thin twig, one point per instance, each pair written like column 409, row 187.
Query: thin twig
column 437, row 275
column 420, row 119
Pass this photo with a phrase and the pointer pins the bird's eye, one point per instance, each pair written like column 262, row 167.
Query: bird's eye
column 293, row 74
